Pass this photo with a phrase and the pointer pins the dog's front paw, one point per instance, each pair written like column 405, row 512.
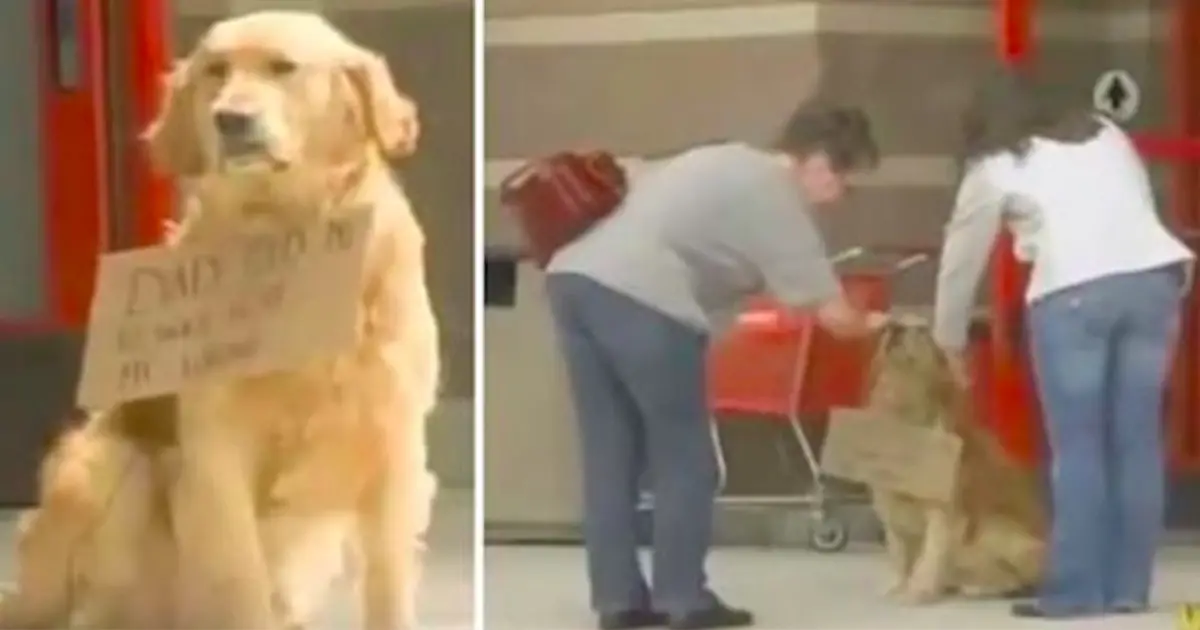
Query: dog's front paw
column 6, row 599
column 919, row 595
column 896, row 589
column 974, row 591
column 16, row 613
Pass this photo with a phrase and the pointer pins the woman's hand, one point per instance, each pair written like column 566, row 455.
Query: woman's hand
column 959, row 366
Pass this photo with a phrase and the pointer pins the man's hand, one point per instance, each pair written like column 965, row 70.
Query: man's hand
column 845, row 321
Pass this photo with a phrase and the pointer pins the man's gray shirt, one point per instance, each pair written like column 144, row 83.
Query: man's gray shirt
column 703, row 231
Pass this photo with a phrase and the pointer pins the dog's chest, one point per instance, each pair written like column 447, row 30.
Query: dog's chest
column 899, row 513
column 315, row 446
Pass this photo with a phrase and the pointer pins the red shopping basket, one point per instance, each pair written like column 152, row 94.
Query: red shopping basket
column 775, row 361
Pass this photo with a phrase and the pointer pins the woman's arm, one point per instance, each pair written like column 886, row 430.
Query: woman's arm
column 969, row 237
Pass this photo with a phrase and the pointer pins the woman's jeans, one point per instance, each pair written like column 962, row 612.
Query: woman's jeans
column 1102, row 352
column 638, row 382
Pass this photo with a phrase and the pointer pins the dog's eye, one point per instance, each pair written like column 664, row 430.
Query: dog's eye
column 217, row 69
column 281, row 67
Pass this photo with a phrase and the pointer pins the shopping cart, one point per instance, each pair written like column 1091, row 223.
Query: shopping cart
column 776, row 363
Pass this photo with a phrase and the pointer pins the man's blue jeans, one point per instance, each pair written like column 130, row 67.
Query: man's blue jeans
column 1102, row 352
column 638, row 384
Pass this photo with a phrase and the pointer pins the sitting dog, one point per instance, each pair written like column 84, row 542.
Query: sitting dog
column 989, row 541
column 234, row 503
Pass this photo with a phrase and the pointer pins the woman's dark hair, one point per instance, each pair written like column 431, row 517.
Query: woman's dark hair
column 1009, row 107
column 842, row 133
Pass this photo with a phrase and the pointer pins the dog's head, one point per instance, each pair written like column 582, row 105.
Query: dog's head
column 910, row 376
column 269, row 91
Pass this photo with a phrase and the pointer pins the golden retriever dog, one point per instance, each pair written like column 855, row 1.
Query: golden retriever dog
column 235, row 503
column 989, row 541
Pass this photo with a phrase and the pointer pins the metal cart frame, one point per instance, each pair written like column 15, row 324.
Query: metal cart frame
column 830, row 532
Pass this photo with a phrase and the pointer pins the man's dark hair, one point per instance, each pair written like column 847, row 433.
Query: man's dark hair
column 841, row 133
column 1009, row 107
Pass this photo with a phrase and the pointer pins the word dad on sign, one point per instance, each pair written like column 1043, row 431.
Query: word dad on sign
column 872, row 448
column 166, row 317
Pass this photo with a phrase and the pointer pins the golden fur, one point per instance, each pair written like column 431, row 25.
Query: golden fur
column 235, row 503
column 990, row 540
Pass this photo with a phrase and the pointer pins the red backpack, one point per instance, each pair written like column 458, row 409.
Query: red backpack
column 556, row 199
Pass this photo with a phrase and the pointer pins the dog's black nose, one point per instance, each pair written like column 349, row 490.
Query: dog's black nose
column 233, row 124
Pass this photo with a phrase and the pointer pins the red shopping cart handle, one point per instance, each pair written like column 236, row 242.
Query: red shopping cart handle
column 768, row 322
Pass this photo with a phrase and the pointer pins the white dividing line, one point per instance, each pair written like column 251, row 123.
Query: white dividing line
column 799, row 18
column 901, row 171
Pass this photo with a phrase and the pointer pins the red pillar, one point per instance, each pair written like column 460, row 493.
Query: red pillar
column 1012, row 405
column 74, row 164
column 153, row 194
column 1180, row 146
column 1183, row 433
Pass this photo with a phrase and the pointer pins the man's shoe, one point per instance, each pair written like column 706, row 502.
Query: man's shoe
column 717, row 616
column 632, row 619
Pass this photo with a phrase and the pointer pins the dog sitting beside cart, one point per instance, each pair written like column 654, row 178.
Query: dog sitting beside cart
column 775, row 364
column 959, row 516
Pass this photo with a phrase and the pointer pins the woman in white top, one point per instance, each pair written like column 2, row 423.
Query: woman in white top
column 1102, row 319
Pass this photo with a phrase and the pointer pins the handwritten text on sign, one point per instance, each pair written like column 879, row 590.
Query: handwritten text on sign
column 165, row 317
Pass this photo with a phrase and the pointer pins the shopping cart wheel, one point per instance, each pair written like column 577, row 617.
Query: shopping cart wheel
column 828, row 535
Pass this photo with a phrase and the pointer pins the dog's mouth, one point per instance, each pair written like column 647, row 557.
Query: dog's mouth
column 251, row 158
column 249, row 153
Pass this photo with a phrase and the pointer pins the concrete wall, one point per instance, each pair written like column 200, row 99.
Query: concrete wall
column 429, row 45
column 646, row 77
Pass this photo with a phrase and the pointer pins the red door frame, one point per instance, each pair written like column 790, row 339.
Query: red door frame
column 75, row 169
column 1013, row 402
column 1013, row 407
column 1182, row 146
column 153, row 194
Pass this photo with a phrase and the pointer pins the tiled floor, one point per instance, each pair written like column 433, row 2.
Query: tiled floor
column 543, row 588
column 448, row 596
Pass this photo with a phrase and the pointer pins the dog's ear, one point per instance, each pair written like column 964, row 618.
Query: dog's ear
column 389, row 115
column 172, row 139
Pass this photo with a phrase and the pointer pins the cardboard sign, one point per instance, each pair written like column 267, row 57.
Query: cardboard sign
column 166, row 317
column 869, row 447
